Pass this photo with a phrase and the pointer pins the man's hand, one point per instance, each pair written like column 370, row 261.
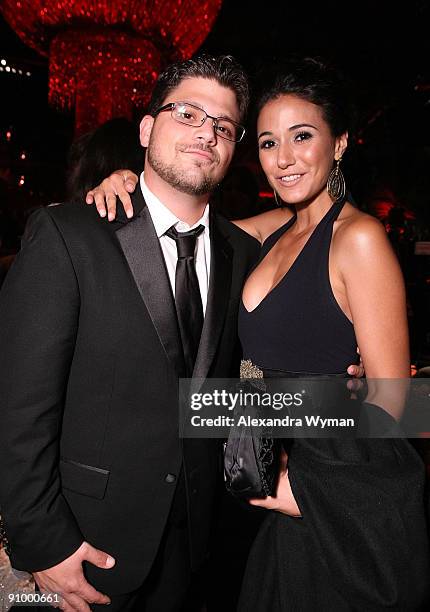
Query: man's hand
column 67, row 579
column 284, row 500
column 120, row 183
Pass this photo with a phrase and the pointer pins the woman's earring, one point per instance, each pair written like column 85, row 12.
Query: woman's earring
column 278, row 200
column 336, row 187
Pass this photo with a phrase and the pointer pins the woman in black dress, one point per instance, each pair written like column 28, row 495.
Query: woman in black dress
column 347, row 527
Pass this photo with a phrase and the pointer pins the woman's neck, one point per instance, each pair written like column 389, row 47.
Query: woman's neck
column 310, row 213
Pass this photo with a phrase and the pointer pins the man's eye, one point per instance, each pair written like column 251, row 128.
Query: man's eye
column 225, row 130
column 186, row 113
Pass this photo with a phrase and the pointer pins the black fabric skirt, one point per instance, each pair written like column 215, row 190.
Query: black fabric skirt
column 285, row 574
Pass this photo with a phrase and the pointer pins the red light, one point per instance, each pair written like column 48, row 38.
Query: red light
column 86, row 41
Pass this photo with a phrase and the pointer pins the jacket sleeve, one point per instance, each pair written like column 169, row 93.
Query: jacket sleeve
column 39, row 309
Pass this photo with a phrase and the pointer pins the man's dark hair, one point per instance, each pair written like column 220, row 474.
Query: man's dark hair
column 223, row 68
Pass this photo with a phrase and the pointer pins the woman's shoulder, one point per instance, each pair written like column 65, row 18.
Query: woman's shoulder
column 355, row 227
column 360, row 238
column 263, row 225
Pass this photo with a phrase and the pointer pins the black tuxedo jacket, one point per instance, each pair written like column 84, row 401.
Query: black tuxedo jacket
column 89, row 367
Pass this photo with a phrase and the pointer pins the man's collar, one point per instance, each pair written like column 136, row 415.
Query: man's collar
column 162, row 217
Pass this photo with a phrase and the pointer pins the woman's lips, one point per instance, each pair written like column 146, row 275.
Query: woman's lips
column 290, row 180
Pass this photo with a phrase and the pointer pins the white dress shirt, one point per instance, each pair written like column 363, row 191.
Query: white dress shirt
column 163, row 219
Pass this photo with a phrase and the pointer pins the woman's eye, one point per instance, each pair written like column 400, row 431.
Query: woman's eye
column 301, row 136
column 267, row 144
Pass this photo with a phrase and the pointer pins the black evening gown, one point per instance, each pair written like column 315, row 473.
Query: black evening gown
column 361, row 543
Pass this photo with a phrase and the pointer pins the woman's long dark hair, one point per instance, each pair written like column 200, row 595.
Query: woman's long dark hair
column 316, row 81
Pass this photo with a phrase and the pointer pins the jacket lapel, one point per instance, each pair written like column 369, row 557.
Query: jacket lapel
column 142, row 250
column 218, row 298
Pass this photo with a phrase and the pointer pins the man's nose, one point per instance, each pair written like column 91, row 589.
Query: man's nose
column 207, row 131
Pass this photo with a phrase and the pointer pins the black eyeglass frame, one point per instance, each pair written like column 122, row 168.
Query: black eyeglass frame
column 172, row 105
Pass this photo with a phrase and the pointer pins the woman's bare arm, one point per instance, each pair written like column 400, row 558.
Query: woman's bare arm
column 376, row 297
column 119, row 184
column 123, row 182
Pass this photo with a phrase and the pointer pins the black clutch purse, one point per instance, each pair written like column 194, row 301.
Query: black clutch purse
column 251, row 454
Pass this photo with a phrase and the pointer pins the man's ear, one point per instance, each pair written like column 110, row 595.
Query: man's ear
column 146, row 129
column 341, row 145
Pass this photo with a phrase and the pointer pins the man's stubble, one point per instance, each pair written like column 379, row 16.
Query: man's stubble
column 192, row 183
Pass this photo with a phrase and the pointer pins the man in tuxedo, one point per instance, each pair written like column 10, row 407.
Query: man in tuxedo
column 100, row 498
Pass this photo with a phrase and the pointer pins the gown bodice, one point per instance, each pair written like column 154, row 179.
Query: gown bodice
column 299, row 326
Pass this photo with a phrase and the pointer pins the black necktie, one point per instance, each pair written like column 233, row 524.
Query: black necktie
column 187, row 294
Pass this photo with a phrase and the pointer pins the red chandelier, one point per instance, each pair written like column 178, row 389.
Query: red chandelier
column 104, row 55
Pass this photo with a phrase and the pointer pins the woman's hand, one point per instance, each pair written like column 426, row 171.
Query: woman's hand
column 119, row 184
column 357, row 371
column 284, row 500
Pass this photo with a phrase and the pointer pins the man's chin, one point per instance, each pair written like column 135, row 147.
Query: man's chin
column 192, row 178
column 197, row 182
column 198, row 189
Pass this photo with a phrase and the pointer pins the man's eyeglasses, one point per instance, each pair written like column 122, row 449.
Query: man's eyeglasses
column 188, row 114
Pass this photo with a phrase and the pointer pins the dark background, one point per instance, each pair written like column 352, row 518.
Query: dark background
column 381, row 46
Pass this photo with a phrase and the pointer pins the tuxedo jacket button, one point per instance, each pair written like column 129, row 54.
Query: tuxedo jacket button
column 170, row 478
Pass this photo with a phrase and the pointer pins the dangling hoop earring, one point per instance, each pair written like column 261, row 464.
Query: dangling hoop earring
column 336, row 187
column 278, row 201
